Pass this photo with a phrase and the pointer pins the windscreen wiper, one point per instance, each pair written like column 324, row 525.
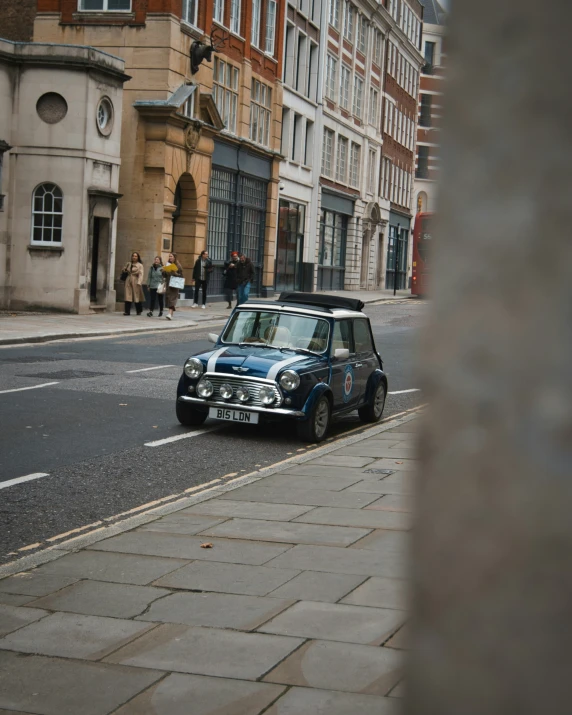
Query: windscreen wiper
column 304, row 351
column 255, row 345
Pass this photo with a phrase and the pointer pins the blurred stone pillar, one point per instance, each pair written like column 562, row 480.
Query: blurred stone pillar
column 493, row 551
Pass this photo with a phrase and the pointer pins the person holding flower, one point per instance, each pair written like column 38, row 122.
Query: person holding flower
column 172, row 269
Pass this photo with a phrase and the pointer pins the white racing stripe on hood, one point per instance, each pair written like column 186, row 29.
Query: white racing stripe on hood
column 211, row 364
column 275, row 369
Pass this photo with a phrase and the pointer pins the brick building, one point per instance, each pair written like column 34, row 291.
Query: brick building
column 430, row 93
column 200, row 153
column 17, row 19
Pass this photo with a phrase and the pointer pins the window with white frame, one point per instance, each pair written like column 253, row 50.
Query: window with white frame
column 355, row 161
column 47, row 215
column 235, row 7
column 334, row 13
column 270, row 26
column 327, row 152
column 342, row 160
column 218, row 11
column 309, row 143
column 349, row 15
column 296, row 138
column 373, row 105
column 331, row 67
column 189, row 106
column 225, row 92
column 378, row 48
column 255, row 29
column 260, row 113
column 371, row 172
column 190, row 8
column 386, row 177
column 105, row 5
column 362, row 33
column 345, row 80
column 358, row 96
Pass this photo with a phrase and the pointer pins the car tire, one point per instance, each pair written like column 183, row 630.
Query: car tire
column 189, row 416
column 373, row 410
column 315, row 428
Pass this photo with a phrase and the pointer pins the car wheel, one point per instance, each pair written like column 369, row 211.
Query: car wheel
column 315, row 428
column 189, row 416
column 374, row 409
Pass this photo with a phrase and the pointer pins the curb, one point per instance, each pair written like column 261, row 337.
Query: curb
column 80, row 542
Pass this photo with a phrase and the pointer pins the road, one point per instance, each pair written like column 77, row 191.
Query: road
column 92, row 432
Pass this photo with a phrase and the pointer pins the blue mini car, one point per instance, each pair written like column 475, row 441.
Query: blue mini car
column 304, row 357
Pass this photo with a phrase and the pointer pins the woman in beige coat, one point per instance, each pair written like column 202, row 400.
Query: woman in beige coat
column 134, row 284
column 172, row 268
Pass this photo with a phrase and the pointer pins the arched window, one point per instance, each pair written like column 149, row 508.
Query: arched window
column 47, row 214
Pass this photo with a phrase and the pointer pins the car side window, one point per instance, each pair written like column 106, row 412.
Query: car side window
column 342, row 337
column 362, row 337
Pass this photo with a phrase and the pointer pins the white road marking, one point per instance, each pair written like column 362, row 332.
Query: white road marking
column 176, row 438
column 402, row 392
column 32, row 387
column 146, row 369
column 20, row 480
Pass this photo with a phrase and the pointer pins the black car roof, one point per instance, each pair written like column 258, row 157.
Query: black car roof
column 319, row 300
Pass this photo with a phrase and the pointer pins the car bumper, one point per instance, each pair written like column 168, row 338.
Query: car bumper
column 270, row 411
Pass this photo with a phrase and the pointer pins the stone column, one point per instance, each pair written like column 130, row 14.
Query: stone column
column 493, row 549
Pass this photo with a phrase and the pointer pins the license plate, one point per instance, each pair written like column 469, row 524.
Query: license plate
column 223, row 413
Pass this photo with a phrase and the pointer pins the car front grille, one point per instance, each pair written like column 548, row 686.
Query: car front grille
column 254, row 387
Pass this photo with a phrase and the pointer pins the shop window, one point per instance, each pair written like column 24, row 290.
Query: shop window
column 47, row 215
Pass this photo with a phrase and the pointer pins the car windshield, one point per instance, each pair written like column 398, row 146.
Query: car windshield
column 280, row 330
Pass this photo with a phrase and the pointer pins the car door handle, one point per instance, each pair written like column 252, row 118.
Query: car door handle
column 358, row 364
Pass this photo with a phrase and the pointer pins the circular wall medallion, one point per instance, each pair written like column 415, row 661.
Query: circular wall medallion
column 51, row 107
column 104, row 116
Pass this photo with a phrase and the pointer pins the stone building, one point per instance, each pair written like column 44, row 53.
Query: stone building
column 200, row 152
column 60, row 128
column 430, row 94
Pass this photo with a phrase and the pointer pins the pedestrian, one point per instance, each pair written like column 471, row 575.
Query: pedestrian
column 134, row 284
column 244, row 277
column 201, row 274
column 172, row 269
column 229, row 273
column 154, row 282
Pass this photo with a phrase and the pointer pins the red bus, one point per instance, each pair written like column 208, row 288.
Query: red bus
column 422, row 240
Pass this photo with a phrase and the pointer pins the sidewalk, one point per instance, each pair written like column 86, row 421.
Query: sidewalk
column 281, row 592
column 21, row 327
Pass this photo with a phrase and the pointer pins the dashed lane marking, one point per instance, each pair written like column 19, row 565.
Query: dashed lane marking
column 402, row 392
column 187, row 435
column 32, row 387
column 21, row 480
column 146, row 369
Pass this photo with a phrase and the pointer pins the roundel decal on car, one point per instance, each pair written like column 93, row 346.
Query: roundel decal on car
column 348, row 384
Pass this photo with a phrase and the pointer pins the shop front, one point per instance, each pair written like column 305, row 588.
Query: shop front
column 336, row 213
column 290, row 246
column 396, row 274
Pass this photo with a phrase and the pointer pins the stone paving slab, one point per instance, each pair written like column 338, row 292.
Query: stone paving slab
column 332, row 621
column 14, row 599
column 35, row 583
column 248, row 510
column 357, row 518
column 296, row 480
column 73, row 636
column 228, row 578
column 202, row 695
column 215, row 610
column 317, row 586
column 207, row 651
column 289, row 532
column 381, row 486
column 158, row 544
column 371, row 449
column 14, row 617
column 393, row 502
column 48, row 686
column 306, row 701
column 387, row 541
column 333, row 559
column 108, row 566
column 339, row 460
column 99, row 598
column 257, row 492
column 181, row 524
column 340, row 666
column 400, row 639
column 380, row 593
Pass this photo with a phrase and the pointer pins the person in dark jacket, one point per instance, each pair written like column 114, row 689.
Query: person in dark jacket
column 201, row 274
column 229, row 273
column 244, row 277
column 154, row 280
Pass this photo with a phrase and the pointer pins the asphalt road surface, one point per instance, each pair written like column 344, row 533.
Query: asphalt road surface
column 91, row 433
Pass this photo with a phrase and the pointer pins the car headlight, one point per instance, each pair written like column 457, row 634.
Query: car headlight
column 205, row 388
column 193, row 368
column 267, row 395
column 242, row 393
column 289, row 380
column 225, row 391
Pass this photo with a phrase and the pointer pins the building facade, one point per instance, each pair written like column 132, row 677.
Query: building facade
column 200, row 152
column 430, row 95
column 60, row 129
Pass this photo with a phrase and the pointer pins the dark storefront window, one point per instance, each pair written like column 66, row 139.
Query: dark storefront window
column 422, row 170
column 425, row 110
column 237, row 220
column 333, row 235
column 290, row 248
column 397, row 250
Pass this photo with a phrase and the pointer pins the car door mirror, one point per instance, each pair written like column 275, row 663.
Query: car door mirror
column 341, row 353
column 213, row 338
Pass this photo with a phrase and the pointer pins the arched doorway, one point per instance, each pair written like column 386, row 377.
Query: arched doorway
column 184, row 223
